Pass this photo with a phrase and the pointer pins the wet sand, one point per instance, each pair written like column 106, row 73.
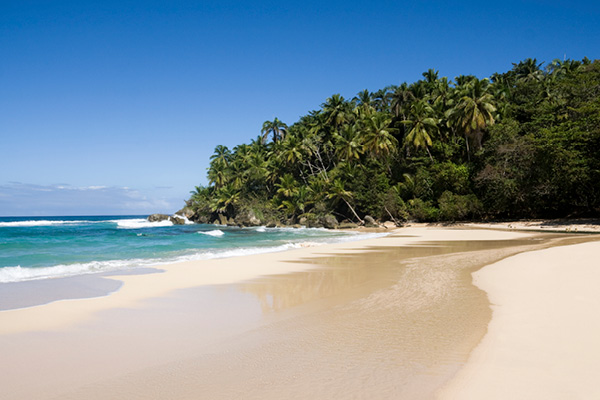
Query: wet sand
column 394, row 317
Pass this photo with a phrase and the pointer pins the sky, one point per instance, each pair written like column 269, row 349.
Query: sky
column 114, row 107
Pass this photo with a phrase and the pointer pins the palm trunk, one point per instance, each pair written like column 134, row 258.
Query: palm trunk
column 431, row 158
column 353, row 211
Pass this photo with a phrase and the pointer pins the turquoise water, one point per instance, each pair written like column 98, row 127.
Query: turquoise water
column 46, row 247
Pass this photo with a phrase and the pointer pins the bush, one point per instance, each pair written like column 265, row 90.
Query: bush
column 422, row 210
column 455, row 207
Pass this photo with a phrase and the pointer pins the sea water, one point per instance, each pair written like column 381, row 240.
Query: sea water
column 47, row 247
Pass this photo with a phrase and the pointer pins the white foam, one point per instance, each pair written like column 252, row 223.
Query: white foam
column 18, row 274
column 138, row 223
column 215, row 233
column 261, row 229
column 184, row 218
column 41, row 223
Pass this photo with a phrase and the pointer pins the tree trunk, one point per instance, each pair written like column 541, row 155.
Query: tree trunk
column 354, row 212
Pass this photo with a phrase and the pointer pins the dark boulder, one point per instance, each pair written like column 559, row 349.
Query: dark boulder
column 329, row 221
column 247, row 218
column 177, row 220
column 370, row 222
column 158, row 217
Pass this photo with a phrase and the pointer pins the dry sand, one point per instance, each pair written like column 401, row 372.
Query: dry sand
column 395, row 317
column 544, row 338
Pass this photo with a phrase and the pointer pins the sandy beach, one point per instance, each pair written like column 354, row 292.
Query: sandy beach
column 393, row 317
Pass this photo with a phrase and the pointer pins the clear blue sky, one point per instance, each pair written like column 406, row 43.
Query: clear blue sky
column 115, row 106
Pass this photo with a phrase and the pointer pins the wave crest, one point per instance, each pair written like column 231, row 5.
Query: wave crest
column 215, row 233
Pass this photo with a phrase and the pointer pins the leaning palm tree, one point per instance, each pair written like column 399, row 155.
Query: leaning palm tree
column 338, row 193
column 422, row 126
column 277, row 128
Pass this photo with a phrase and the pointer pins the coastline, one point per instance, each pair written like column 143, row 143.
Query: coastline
column 398, row 314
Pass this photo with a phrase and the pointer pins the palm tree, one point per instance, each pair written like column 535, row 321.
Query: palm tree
column 221, row 155
column 226, row 198
column 401, row 98
column 337, row 111
column 291, row 150
column 218, row 174
column 338, row 193
column 528, row 70
column 363, row 99
column 474, row 112
column 422, row 126
column 348, row 146
column 382, row 98
column 377, row 134
column 275, row 127
column 287, row 186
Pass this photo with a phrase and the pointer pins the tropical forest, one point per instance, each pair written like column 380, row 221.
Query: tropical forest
column 520, row 144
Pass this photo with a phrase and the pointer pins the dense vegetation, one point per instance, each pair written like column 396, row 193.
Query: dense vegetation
column 521, row 144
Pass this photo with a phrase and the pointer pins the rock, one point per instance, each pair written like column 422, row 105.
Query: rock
column 347, row 225
column 296, row 226
column 222, row 219
column 186, row 212
column 370, row 222
column 176, row 220
column 216, row 222
column 271, row 224
column 247, row 218
column 329, row 221
column 158, row 217
column 201, row 219
column 315, row 224
column 303, row 221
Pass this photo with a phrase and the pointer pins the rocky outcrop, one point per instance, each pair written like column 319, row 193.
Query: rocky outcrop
column 177, row 220
column 186, row 212
column 247, row 218
column 223, row 219
column 158, row 217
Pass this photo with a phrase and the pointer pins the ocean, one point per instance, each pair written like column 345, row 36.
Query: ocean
column 48, row 247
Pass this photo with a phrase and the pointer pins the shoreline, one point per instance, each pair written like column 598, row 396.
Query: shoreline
column 338, row 298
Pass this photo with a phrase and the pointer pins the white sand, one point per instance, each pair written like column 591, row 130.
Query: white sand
column 544, row 338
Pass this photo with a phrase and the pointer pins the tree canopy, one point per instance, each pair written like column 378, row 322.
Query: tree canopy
column 521, row 144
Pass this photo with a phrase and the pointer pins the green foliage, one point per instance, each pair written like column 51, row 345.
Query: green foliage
column 422, row 211
column 455, row 207
column 524, row 143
